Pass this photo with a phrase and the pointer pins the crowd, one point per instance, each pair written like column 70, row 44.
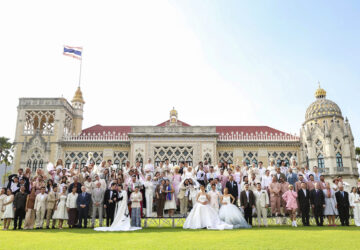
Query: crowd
column 73, row 195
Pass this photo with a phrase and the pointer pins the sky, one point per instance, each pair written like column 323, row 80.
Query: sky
column 217, row 62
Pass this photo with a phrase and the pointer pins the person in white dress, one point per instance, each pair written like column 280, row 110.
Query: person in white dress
column 121, row 218
column 60, row 212
column 2, row 200
column 354, row 200
column 8, row 214
column 170, row 203
column 149, row 195
column 202, row 215
column 231, row 214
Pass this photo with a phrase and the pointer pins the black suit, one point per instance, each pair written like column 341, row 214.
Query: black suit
column 304, row 205
column 110, row 206
column 83, row 199
column 232, row 189
column 343, row 207
column 248, row 204
column 317, row 199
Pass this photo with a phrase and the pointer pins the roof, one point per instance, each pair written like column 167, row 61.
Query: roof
column 248, row 130
column 106, row 129
column 219, row 129
column 163, row 124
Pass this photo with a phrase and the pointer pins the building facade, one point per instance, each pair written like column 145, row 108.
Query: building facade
column 51, row 128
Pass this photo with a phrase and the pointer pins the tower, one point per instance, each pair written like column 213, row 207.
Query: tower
column 41, row 126
column 326, row 139
column 173, row 117
column 78, row 105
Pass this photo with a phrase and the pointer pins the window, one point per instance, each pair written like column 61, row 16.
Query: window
column 28, row 164
column 34, row 165
column 321, row 162
column 41, row 163
column 339, row 162
column 67, row 163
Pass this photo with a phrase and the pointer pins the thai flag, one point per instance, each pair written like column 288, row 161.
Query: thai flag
column 74, row 52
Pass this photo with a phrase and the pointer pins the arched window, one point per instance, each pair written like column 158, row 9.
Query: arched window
column 339, row 162
column 255, row 161
column 67, row 163
column 41, row 163
column 28, row 164
column 34, row 167
column 117, row 163
column 321, row 162
column 247, row 161
column 83, row 163
column 307, row 161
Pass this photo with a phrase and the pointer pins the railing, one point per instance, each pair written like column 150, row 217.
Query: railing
column 236, row 136
column 97, row 137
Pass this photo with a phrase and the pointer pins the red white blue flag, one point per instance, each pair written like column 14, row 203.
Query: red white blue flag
column 74, row 52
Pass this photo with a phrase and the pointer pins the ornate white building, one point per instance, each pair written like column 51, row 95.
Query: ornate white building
column 51, row 128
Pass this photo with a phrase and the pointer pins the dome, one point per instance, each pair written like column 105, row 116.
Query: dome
column 322, row 107
column 78, row 96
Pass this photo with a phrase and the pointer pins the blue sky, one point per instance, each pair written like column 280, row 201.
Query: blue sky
column 276, row 51
column 217, row 62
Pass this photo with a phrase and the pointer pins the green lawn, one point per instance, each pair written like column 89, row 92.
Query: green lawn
column 275, row 237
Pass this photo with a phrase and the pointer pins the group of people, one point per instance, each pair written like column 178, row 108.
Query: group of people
column 217, row 197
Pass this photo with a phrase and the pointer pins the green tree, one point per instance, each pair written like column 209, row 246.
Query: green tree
column 357, row 152
column 6, row 157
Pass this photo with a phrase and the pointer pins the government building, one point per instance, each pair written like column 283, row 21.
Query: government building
column 51, row 128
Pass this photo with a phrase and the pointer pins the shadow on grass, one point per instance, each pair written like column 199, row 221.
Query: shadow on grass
column 89, row 231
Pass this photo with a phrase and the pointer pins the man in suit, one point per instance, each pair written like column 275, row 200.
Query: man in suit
column 97, row 197
column 247, row 201
column 110, row 200
column 317, row 200
column 261, row 203
column 83, row 202
column 304, row 204
column 279, row 174
column 40, row 208
column 76, row 184
column 343, row 205
column 232, row 187
column 19, row 207
column 52, row 198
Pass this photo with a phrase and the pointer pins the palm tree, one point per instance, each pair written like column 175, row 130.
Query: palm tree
column 6, row 157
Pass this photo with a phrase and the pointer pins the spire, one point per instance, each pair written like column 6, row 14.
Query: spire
column 78, row 96
column 320, row 93
column 173, row 116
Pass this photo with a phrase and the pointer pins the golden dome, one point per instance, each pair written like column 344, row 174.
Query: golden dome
column 320, row 93
column 173, row 112
column 78, row 96
column 322, row 107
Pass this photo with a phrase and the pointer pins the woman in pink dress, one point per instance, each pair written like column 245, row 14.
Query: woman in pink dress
column 291, row 204
column 176, row 180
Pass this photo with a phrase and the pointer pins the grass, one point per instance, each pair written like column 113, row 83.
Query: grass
column 274, row 237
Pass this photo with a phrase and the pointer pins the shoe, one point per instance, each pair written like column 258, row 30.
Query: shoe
column 53, row 227
column 295, row 225
column 37, row 227
column 47, row 227
column 14, row 228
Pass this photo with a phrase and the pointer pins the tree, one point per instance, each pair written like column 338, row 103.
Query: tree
column 6, row 150
column 6, row 157
column 357, row 152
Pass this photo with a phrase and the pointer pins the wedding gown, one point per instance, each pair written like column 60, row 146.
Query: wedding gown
column 204, row 216
column 122, row 217
column 232, row 215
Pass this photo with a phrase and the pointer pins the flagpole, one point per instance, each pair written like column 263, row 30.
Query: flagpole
column 80, row 68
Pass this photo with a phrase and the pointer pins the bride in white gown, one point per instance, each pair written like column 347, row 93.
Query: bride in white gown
column 230, row 213
column 203, row 215
column 122, row 217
